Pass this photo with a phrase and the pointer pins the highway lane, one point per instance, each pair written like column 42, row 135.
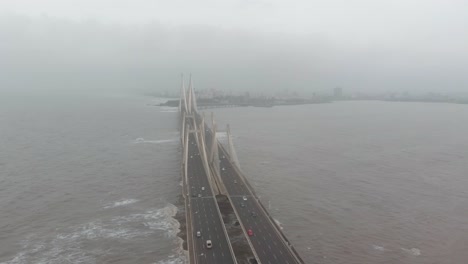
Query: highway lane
column 266, row 241
column 205, row 217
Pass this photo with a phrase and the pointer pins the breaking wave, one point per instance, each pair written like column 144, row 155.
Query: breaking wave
column 121, row 203
column 413, row 251
column 379, row 248
column 70, row 245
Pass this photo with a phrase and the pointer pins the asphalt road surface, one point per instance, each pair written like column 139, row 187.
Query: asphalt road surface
column 266, row 241
column 205, row 217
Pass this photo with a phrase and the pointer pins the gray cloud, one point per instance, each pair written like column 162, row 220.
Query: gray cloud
column 304, row 49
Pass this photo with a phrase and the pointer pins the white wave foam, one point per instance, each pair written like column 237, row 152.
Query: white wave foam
column 161, row 141
column 379, row 248
column 68, row 247
column 180, row 256
column 413, row 251
column 173, row 260
column 121, row 203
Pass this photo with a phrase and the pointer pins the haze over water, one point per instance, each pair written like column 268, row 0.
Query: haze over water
column 93, row 179
column 361, row 182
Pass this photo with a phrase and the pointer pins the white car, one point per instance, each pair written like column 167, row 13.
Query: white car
column 244, row 198
column 198, row 234
column 202, row 188
column 209, row 244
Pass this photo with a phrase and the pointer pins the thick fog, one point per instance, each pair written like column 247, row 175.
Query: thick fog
column 143, row 46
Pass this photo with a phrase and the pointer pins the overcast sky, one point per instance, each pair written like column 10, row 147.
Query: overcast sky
column 360, row 45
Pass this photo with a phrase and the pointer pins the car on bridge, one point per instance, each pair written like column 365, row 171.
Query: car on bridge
column 209, row 244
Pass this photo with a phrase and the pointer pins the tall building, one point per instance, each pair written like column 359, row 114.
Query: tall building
column 338, row 92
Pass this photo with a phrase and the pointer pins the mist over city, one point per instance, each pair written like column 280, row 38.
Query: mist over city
column 301, row 46
column 243, row 132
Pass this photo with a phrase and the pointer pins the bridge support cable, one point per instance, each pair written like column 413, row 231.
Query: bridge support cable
column 214, row 158
column 183, row 98
column 189, row 103
column 204, row 156
column 186, row 146
column 194, row 101
column 192, row 123
column 213, row 137
column 232, row 151
column 182, row 129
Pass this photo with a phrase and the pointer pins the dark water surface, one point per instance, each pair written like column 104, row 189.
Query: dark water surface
column 361, row 182
column 95, row 179
column 88, row 179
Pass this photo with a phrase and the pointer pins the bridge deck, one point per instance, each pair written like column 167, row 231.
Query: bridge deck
column 204, row 214
column 267, row 241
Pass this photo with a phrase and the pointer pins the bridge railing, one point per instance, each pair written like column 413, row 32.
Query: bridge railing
column 252, row 190
column 272, row 220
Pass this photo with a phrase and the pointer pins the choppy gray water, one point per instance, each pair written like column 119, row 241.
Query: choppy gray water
column 88, row 180
column 95, row 179
column 361, row 182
